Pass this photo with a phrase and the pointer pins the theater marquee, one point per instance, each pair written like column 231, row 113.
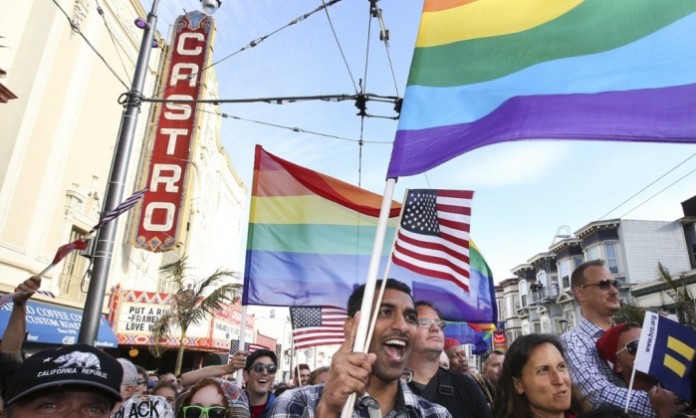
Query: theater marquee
column 163, row 208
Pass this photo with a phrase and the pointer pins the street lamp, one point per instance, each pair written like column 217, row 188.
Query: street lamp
column 119, row 166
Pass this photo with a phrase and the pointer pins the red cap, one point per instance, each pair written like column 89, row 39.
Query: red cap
column 451, row 342
column 607, row 344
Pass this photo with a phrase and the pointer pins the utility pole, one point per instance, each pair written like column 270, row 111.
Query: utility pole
column 114, row 189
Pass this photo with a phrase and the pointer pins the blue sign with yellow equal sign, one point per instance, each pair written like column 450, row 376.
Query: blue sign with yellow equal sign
column 666, row 352
column 53, row 324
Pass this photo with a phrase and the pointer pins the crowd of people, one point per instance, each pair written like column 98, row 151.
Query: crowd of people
column 409, row 370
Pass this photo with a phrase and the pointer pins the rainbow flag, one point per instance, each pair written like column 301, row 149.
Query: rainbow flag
column 489, row 71
column 310, row 241
column 478, row 335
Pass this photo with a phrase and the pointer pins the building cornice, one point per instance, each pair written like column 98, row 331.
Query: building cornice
column 596, row 226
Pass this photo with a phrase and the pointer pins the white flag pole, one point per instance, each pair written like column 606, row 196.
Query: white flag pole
column 373, row 322
column 630, row 390
column 242, row 341
column 366, row 307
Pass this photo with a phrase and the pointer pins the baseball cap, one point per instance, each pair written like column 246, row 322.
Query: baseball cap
column 451, row 342
column 78, row 364
column 607, row 344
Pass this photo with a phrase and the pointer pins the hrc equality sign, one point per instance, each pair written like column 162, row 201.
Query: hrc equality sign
column 162, row 210
column 666, row 352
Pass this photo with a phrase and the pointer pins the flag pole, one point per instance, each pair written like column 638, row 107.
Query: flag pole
column 242, row 339
column 366, row 307
column 373, row 322
column 630, row 390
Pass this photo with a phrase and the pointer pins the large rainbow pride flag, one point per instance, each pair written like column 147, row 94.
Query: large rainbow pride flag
column 310, row 240
column 489, row 71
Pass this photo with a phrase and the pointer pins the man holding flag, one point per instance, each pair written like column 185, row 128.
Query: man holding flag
column 597, row 292
column 374, row 376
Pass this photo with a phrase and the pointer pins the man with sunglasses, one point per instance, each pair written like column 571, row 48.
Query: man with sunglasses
column 597, row 293
column 618, row 346
column 455, row 391
column 259, row 374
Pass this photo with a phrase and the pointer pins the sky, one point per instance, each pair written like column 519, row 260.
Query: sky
column 525, row 192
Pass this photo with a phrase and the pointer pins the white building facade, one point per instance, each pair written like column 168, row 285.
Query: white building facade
column 59, row 137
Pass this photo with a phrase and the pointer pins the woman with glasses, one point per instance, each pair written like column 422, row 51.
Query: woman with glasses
column 535, row 380
column 213, row 398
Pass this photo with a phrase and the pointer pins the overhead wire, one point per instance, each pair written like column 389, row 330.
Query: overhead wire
column 257, row 41
column 76, row 29
column 384, row 36
column 340, row 47
column 291, row 128
column 118, row 47
column 361, row 102
column 651, row 197
column 644, row 188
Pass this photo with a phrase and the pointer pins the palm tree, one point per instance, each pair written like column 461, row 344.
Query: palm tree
column 190, row 305
column 680, row 293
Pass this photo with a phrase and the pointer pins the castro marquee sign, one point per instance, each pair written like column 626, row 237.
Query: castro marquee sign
column 162, row 210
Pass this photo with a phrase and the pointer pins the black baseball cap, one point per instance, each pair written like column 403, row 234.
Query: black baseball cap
column 74, row 365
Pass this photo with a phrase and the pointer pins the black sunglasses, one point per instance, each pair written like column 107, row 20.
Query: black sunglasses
column 260, row 367
column 631, row 348
column 604, row 284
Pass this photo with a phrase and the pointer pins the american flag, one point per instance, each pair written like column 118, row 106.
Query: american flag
column 248, row 347
column 64, row 250
column 118, row 210
column 318, row 325
column 434, row 236
column 5, row 299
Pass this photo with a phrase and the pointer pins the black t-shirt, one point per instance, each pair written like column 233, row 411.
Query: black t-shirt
column 456, row 392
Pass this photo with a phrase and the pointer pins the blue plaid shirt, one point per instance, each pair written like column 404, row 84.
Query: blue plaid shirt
column 593, row 376
column 302, row 402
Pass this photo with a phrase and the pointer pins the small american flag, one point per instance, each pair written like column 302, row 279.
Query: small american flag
column 434, row 236
column 118, row 210
column 64, row 250
column 319, row 325
column 5, row 299
column 248, row 347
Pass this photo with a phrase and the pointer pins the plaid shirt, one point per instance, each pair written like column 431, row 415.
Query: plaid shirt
column 302, row 402
column 593, row 376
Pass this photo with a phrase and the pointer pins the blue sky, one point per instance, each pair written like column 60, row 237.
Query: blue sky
column 525, row 190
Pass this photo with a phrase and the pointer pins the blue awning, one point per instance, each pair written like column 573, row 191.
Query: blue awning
column 53, row 324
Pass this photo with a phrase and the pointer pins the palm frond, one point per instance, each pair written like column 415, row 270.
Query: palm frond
column 193, row 304
column 161, row 330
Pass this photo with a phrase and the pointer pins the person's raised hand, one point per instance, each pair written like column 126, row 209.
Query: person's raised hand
column 665, row 403
column 238, row 361
column 349, row 373
column 26, row 289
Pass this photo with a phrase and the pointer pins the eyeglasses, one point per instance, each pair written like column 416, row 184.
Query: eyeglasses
column 604, row 284
column 427, row 322
column 631, row 348
column 142, row 381
column 195, row 411
column 260, row 367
